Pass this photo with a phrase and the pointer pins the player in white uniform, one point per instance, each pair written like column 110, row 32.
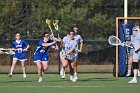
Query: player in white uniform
column 136, row 27
column 78, row 49
column 79, row 40
column 68, row 54
column 136, row 54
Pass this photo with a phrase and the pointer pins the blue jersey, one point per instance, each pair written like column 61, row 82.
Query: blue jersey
column 19, row 46
column 41, row 53
column 41, row 49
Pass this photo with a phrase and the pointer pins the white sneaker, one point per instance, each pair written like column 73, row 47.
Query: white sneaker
column 138, row 73
column 71, row 77
column 74, row 80
column 62, row 72
column 75, row 76
column 24, row 76
column 128, row 74
column 40, row 79
column 10, row 75
column 62, row 77
column 133, row 81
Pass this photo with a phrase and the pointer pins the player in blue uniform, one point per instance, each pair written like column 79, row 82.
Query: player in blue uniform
column 68, row 54
column 41, row 57
column 20, row 47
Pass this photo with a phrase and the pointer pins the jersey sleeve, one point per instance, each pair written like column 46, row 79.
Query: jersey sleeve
column 81, row 40
column 12, row 45
column 139, row 35
column 64, row 40
column 25, row 43
column 41, row 42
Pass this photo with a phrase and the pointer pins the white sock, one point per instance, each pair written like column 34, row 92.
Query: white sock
column 129, row 71
column 134, row 78
column 11, row 73
column 75, row 73
column 138, row 71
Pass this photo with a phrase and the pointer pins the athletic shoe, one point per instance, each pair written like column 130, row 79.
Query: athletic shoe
column 75, row 76
column 10, row 75
column 62, row 77
column 24, row 76
column 40, row 80
column 128, row 74
column 71, row 77
column 133, row 81
column 74, row 80
column 138, row 73
column 62, row 72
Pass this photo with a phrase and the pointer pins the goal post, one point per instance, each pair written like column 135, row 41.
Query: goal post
column 117, row 35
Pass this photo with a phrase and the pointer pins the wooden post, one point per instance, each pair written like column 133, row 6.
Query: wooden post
column 117, row 64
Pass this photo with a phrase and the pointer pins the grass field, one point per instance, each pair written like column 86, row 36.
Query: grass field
column 54, row 69
column 87, row 83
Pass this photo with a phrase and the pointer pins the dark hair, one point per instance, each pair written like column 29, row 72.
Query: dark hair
column 72, row 32
column 44, row 34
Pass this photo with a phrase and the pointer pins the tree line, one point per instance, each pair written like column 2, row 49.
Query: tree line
column 94, row 18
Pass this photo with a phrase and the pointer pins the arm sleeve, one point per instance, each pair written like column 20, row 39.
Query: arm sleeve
column 64, row 40
column 81, row 40
column 12, row 45
column 25, row 43
column 139, row 35
column 40, row 43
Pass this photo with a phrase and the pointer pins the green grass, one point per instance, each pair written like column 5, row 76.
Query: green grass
column 54, row 68
column 87, row 83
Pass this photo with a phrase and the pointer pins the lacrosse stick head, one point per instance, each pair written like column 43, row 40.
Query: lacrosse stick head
column 55, row 23
column 48, row 22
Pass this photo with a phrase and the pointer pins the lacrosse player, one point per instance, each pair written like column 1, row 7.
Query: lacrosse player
column 41, row 56
column 20, row 47
column 79, row 40
column 136, row 55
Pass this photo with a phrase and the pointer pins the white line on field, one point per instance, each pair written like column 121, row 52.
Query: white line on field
column 130, row 85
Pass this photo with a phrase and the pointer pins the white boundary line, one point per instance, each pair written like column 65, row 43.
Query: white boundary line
column 129, row 85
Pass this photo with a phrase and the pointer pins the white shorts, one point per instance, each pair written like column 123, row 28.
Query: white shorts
column 20, row 59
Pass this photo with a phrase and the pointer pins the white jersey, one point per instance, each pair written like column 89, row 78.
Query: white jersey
column 79, row 39
column 136, row 43
column 69, row 44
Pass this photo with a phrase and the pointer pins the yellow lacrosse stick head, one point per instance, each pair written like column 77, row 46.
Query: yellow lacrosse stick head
column 55, row 23
column 48, row 22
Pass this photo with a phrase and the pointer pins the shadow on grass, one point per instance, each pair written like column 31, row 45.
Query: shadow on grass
column 61, row 80
column 17, row 81
column 98, row 79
